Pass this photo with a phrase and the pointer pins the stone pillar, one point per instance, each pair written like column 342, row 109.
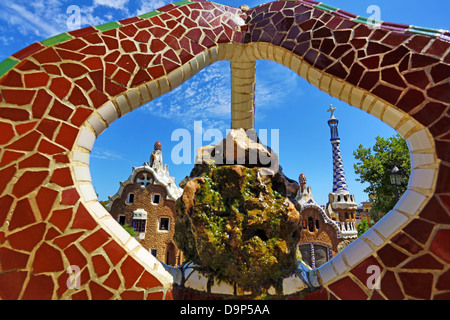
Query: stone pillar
column 243, row 93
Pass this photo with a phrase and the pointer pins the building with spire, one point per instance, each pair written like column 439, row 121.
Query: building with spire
column 146, row 201
column 329, row 228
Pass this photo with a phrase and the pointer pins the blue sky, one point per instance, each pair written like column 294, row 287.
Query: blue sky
column 284, row 101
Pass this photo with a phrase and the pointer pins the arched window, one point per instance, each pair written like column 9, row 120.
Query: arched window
column 310, row 224
column 317, row 224
column 346, row 215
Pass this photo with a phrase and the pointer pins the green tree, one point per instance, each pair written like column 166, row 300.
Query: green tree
column 362, row 227
column 373, row 166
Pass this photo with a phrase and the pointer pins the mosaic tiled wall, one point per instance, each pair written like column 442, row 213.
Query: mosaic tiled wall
column 59, row 94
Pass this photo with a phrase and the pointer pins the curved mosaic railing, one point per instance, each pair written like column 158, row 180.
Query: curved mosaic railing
column 59, row 94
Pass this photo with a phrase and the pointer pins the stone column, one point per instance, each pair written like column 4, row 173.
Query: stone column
column 243, row 93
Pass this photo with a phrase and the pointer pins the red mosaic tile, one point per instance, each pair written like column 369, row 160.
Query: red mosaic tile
column 60, row 87
column 51, row 234
column 132, row 295
column 70, row 196
column 129, row 30
column 14, row 114
column 70, row 55
column 440, row 245
column 75, row 256
column 10, row 156
column 93, row 38
column 48, row 55
column 141, row 76
column 157, row 45
column 64, row 241
column 390, row 287
column 40, row 104
column 101, row 266
column 12, row 79
column 98, row 98
column 34, row 161
column 61, row 158
column 23, row 128
column 440, row 92
column 143, row 59
column 347, row 289
column 443, row 282
column 11, row 284
column 23, row 215
column 362, row 270
column 426, row 261
column 80, row 115
column 18, row 97
column 156, row 71
column 66, row 136
column 47, row 259
column 12, row 260
column 22, row 54
column 5, row 204
column 83, row 32
column 27, row 65
column 48, row 147
column 113, row 89
column 128, row 46
column 27, row 239
column 389, row 94
column 419, row 230
column 7, row 131
column 52, row 69
column 113, row 281
column 61, row 218
column 127, row 63
column 60, row 110
column 407, row 243
column 28, row 182
column 99, row 292
column 62, row 177
column 434, row 212
column 131, row 270
column 390, row 256
column 417, row 285
column 80, row 295
column 39, row 287
column 73, row 70
column 97, row 78
column 74, row 44
column 93, row 63
column 77, row 97
column 122, row 77
column 148, row 281
column 391, row 75
column 95, row 240
column 114, row 251
column 83, row 219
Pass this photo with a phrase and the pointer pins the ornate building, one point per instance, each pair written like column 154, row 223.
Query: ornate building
column 327, row 229
column 146, row 201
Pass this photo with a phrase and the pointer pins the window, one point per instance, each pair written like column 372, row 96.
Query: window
column 320, row 255
column 317, row 224
column 164, row 224
column 310, row 224
column 130, row 198
column 139, row 225
column 305, row 250
column 154, row 252
column 121, row 219
column 156, row 198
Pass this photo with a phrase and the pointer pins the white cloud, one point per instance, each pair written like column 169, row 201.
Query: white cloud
column 116, row 4
column 150, row 5
column 107, row 155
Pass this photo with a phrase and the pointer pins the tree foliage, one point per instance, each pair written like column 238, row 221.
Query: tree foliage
column 373, row 166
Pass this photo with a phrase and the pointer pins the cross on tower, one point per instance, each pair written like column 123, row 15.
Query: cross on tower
column 331, row 109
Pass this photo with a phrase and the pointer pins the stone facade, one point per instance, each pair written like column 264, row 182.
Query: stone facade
column 146, row 202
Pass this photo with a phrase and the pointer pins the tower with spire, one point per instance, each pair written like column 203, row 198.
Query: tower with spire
column 341, row 204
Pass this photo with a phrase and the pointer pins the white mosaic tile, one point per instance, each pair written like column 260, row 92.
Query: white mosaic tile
column 98, row 210
column 82, row 173
column 373, row 237
column 419, row 140
column 86, row 139
column 390, row 223
column 108, row 113
column 116, row 229
column 410, row 202
column 392, row 116
column 421, row 178
column 81, row 156
column 122, row 103
column 405, row 128
column 327, row 272
column 339, row 264
column 97, row 125
column 88, row 192
column 134, row 98
column 356, row 251
column 420, row 159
